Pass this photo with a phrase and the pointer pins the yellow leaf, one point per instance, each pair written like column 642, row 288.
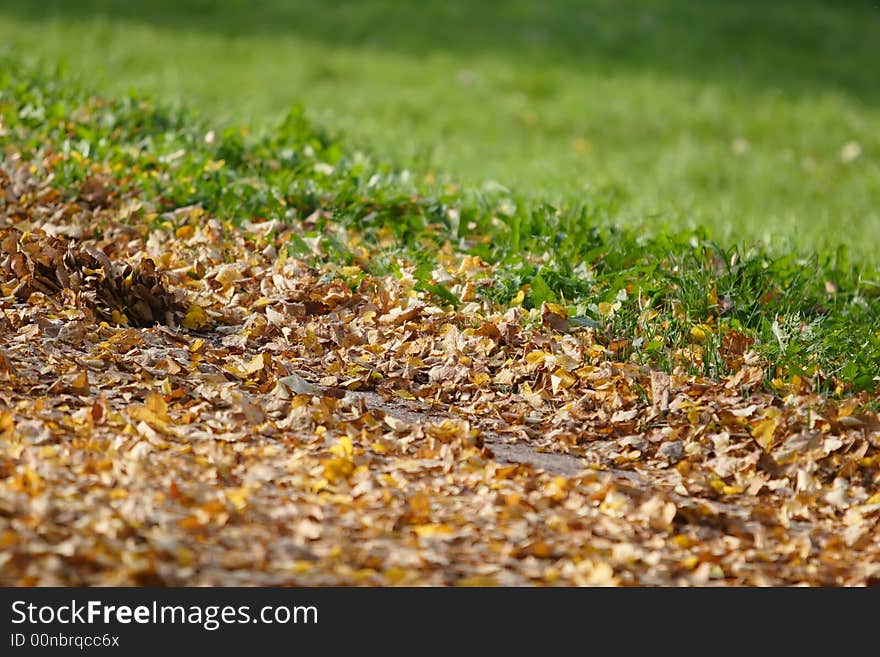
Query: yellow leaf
column 683, row 541
column 536, row 357
column 542, row 550
column 763, row 432
column 343, row 447
column 251, row 367
column 448, row 430
column 700, row 332
column 420, row 507
column 478, row 580
column 557, row 488
column 480, row 378
column 846, row 408
column 228, row 274
column 8, row 538
column 301, row 566
column 561, row 379
column 689, row 563
column 195, row 318
column 7, row 425
column 237, row 496
column 338, row 468
column 154, row 412
column 258, row 363
column 27, row 482
column 33, row 479
column 157, row 405
column 432, row 529
column 712, row 296
column 395, row 575
column 119, row 318
column 557, row 309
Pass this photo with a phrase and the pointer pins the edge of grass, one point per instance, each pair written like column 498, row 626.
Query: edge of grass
column 667, row 299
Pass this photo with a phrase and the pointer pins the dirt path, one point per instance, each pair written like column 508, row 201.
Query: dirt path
column 502, row 451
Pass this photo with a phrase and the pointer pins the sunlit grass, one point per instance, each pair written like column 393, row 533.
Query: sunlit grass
column 760, row 122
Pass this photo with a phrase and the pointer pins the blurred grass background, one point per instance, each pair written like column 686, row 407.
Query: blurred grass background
column 759, row 120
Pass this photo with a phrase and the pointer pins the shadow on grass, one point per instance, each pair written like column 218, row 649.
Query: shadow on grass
column 796, row 46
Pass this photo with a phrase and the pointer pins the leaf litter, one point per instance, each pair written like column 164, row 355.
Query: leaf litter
column 181, row 403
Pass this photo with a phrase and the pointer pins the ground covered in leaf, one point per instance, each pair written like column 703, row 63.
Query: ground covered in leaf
column 183, row 403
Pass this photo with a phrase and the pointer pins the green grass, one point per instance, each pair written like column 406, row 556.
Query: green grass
column 728, row 115
column 677, row 296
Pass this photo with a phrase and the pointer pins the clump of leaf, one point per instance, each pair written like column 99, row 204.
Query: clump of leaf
column 135, row 293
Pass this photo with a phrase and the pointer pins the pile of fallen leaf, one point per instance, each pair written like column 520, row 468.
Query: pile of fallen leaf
column 85, row 277
column 182, row 404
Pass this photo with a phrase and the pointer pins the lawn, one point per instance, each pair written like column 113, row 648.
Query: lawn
column 759, row 121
